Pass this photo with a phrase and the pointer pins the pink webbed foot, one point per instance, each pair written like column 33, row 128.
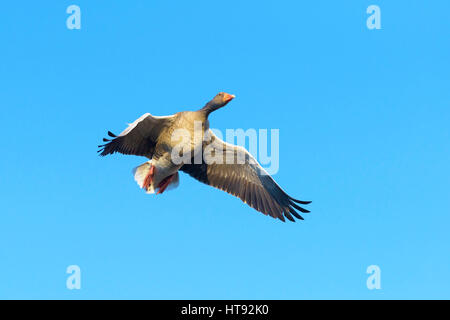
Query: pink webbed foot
column 165, row 183
column 149, row 178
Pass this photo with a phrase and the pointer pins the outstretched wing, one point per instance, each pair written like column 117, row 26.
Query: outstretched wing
column 139, row 138
column 239, row 174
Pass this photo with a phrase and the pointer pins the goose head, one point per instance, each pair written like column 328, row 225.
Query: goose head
column 220, row 100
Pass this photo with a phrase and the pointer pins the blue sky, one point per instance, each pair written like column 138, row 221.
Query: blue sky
column 364, row 133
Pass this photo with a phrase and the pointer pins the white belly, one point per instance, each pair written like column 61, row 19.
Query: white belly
column 163, row 168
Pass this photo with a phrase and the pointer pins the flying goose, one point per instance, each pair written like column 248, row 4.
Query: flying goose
column 167, row 142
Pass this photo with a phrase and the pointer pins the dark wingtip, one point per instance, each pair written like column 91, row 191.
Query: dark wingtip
column 296, row 206
column 300, row 208
column 295, row 214
column 106, row 140
column 299, row 201
column 112, row 135
column 288, row 215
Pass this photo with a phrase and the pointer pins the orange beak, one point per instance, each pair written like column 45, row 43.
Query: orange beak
column 228, row 97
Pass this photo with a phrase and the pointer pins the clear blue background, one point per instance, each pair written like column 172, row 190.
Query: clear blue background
column 364, row 132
